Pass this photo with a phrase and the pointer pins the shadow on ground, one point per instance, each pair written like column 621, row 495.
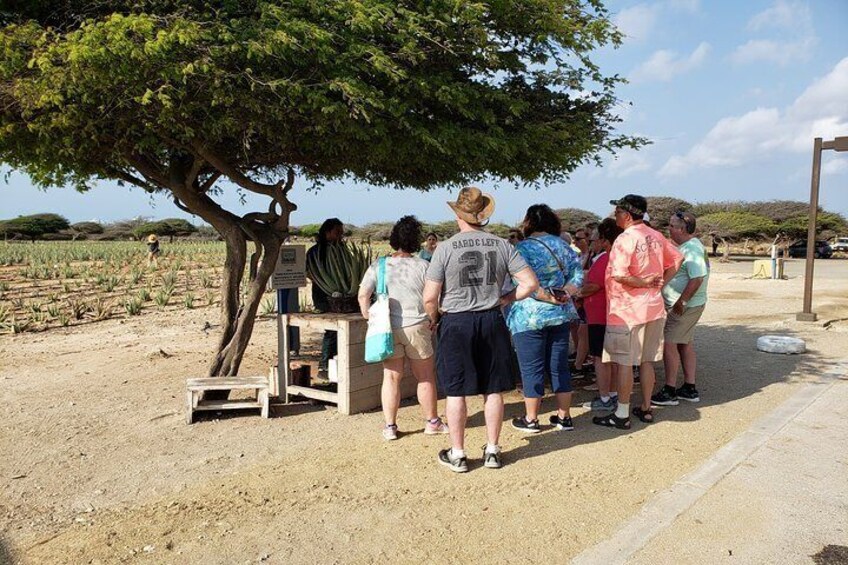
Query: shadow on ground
column 6, row 555
column 729, row 368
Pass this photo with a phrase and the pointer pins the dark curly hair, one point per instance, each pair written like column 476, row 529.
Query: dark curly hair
column 406, row 235
column 540, row 218
column 609, row 230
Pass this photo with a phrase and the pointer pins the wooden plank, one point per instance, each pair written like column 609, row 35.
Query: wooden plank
column 357, row 330
column 213, row 380
column 344, row 367
column 228, row 384
column 363, row 400
column 265, row 400
column 226, row 405
column 190, row 407
column 365, row 377
column 317, row 325
column 317, row 394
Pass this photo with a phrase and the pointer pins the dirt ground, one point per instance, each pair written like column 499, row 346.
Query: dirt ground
column 98, row 465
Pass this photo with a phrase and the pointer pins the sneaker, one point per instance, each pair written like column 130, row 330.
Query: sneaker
column 528, row 427
column 667, row 396
column 688, row 393
column 599, row 405
column 493, row 460
column 435, row 428
column 390, row 432
column 562, row 424
column 459, row 465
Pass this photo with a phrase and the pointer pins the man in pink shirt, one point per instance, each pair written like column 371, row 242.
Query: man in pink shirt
column 641, row 261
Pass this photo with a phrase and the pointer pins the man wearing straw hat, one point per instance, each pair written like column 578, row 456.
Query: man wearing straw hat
column 462, row 296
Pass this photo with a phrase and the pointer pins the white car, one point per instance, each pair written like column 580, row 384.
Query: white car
column 840, row 244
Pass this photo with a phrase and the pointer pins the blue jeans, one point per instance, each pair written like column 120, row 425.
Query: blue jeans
column 542, row 352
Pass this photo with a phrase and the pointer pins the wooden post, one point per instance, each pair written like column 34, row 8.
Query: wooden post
column 283, row 344
column 807, row 315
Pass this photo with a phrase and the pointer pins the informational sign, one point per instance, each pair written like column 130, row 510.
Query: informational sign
column 291, row 267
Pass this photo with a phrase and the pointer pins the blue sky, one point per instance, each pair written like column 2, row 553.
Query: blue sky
column 731, row 93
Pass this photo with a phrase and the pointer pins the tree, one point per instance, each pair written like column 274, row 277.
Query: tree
column 736, row 225
column 34, row 226
column 575, row 218
column 661, row 208
column 171, row 227
column 828, row 224
column 88, row 228
column 191, row 98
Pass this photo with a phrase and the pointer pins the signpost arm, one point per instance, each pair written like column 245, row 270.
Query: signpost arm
column 807, row 314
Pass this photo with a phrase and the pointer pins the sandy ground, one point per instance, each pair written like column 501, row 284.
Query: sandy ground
column 98, row 465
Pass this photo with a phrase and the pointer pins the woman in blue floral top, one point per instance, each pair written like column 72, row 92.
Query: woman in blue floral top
column 540, row 324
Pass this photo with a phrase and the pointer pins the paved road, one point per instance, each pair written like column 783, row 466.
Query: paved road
column 778, row 493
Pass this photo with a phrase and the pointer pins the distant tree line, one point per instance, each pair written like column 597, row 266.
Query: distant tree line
column 53, row 227
column 732, row 221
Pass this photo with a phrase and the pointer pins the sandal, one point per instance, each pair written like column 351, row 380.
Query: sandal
column 646, row 416
column 612, row 421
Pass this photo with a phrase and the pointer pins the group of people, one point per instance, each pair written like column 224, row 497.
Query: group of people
column 630, row 296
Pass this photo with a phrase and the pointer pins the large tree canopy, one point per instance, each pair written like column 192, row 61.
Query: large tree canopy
column 172, row 95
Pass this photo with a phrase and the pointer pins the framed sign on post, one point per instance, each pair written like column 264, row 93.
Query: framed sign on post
column 289, row 275
column 291, row 268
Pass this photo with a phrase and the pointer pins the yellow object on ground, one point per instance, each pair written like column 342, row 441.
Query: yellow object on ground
column 763, row 268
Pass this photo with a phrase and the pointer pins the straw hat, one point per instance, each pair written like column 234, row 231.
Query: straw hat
column 152, row 238
column 473, row 206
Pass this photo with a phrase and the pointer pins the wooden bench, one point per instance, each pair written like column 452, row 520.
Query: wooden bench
column 194, row 387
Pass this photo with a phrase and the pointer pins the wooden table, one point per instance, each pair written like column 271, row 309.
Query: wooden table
column 359, row 382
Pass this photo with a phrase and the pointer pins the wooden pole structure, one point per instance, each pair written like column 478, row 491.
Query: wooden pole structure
column 807, row 314
column 838, row 144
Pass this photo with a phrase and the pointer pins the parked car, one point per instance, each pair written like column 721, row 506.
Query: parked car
column 840, row 244
column 799, row 249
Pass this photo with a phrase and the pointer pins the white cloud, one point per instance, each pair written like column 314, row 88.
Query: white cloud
column 781, row 53
column 664, row 65
column 627, row 163
column 785, row 15
column 820, row 111
column 636, row 23
column 835, row 166
column 794, row 21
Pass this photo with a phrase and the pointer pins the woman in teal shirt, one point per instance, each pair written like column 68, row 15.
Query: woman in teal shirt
column 540, row 324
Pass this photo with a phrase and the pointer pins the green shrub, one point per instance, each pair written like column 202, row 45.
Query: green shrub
column 574, row 219
column 33, row 227
column 736, row 225
column 661, row 208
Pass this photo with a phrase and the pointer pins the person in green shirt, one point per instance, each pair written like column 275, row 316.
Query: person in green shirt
column 685, row 296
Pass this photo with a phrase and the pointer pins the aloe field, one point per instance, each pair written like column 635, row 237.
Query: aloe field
column 46, row 285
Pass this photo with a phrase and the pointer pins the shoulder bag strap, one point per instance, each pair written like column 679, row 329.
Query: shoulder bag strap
column 381, row 275
column 546, row 246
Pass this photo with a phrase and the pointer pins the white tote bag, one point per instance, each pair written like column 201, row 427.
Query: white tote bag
column 379, row 342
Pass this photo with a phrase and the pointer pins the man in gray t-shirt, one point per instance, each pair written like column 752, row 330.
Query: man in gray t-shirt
column 472, row 267
column 465, row 278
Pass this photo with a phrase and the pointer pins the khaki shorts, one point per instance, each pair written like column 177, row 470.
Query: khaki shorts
column 414, row 342
column 632, row 346
column 681, row 329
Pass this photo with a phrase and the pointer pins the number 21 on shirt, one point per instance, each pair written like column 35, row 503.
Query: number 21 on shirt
column 473, row 263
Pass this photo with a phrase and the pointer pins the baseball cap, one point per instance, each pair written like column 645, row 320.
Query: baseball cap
column 632, row 203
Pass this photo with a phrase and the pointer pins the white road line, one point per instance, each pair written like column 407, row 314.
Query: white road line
column 660, row 512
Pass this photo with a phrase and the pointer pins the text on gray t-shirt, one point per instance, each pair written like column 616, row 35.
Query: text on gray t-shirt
column 405, row 287
column 472, row 267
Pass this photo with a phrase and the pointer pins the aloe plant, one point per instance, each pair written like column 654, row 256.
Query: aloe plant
column 342, row 271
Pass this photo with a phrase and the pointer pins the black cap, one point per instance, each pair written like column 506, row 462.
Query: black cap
column 632, row 203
